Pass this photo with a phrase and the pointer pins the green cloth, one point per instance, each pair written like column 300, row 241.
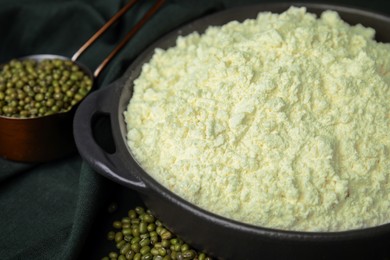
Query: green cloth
column 58, row 210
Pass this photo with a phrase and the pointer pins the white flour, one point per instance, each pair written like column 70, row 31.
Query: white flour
column 281, row 121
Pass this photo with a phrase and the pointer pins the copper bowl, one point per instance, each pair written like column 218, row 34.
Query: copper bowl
column 39, row 139
column 46, row 138
column 36, row 139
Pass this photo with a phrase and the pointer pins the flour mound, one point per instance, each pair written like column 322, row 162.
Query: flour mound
column 280, row 121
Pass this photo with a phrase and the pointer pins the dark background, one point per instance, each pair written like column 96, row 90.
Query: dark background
column 59, row 210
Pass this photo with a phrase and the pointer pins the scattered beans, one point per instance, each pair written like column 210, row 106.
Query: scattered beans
column 147, row 238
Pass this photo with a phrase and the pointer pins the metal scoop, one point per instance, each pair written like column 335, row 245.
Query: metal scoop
column 44, row 138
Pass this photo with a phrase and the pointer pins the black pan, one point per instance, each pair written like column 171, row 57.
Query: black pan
column 218, row 236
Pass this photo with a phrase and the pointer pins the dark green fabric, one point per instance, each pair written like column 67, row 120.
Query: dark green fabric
column 57, row 210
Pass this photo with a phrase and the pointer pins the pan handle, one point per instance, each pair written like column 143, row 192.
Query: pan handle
column 106, row 163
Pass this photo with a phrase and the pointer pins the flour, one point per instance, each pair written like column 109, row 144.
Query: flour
column 280, row 121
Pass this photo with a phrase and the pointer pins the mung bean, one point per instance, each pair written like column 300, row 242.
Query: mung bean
column 141, row 236
column 42, row 81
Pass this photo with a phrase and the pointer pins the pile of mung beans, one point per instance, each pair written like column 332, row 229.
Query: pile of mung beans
column 140, row 236
column 31, row 88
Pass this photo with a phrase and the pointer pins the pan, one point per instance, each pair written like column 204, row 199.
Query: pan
column 221, row 237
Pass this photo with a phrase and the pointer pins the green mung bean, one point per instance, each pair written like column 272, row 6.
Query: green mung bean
column 136, row 247
column 128, row 238
column 42, row 81
column 111, row 235
column 117, row 224
column 147, row 256
column 143, row 227
column 145, row 249
column 113, row 255
column 144, row 242
column 118, row 236
column 126, row 248
column 137, row 256
column 120, row 244
column 130, row 254
column 126, row 231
